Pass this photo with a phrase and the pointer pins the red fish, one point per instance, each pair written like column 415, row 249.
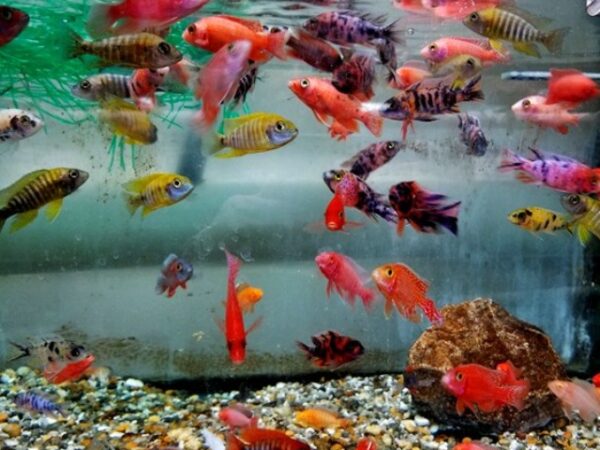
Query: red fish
column 12, row 22
column 577, row 395
column 313, row 51
column 570, row 86
column 264, row 439
column 331, row 349
column 346, row 277
column 596, row 380
column 535, row 110
column 474, row 445
column 367, row 443
column 410, row 73
column 144, row 84
column 484, row 390
column 238, row 416
column 58, row 373
column 335, row 217
column 448, row 47
column 175, row 273
column 356, row 77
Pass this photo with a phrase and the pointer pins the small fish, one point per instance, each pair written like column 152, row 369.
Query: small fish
column 12, row 22
column 103, row 86
column 248, row 296
column 472, row 134
column 140, row 51
column 596, row 380
column 356, row 77
column 555, row 171
column 327, row 102
column 372, row 158
column 126, row 120
column 410, row 73
column 335, row 216
column 577, row 395
column 474, row 445
column 320, row 418
column 35, row 402
column 444, row 49
column 58, row 373
column 516, row 26
column 315, row 52
column 155, row 191
column 403, row 288
column 482, row 389
column 457, row 9
column 535, row 110
column 175, row 272
column 386, row 50
column 586, row 213
column 462, row 68
column 332, row 350
column 536, row 219
column 16, row 124
column 238, row 416
column 246, row 84
column 367, row 443
column 144, row 84
column 570, row 86
column 50, row 350
column 593, row 7
column 264, row 439
column 25, row 197
column 254, row 133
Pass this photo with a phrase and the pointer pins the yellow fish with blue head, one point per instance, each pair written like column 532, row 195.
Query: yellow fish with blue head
column 155, row 191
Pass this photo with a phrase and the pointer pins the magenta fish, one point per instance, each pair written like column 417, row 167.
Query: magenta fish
column 372, row 158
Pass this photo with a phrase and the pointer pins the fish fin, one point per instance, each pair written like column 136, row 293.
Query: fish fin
column 76, row 46
column 251, row 24
column 138, row 185
column 53, row 209
column 583, row 234
column 527, row 49
column 25, row 351
column 457, row 84
column 329, row 288
column 496, row 45
column 147, row 210
column 460, row 407
column 131, row 203
column 101, row 19
column 510, row 161
column 234, row 442
column 562, row 129
column 232, row 153
column 217, row 145
column 517, row 393
column 276, row 44
column 431, row 312
column 220, row 324
column 412, row 314
column 254, row 326
column 23, row 219
column 321, row 118
column 392, row 33
column 161, row 285
column 230, row 124
column 525, row 178
column 535, row 19
column 388, row 308
column 373, row 122
column 472, row 91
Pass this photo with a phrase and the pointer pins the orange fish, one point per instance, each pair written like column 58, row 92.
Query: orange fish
column 570, row 86
column 367, row 443
column 264, row 439
column 58, row 373
column 596, row 380
column 473, row 445
column 327, row 102
column 402, row 287
column 320, row 418
column 248, row 296
column 144, row 84
column 410, row 73
column 448, row 47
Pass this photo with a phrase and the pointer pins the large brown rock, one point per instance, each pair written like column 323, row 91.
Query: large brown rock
column 482, row 332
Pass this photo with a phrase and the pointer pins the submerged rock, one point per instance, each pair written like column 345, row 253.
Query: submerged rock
column 482, row 332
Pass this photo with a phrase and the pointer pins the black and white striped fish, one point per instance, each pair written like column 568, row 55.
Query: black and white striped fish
column 35, row 402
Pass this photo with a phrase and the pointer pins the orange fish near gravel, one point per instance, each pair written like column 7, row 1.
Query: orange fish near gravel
column 320, row 418
column 58, row 373
column 474, row 445
column 327, row 102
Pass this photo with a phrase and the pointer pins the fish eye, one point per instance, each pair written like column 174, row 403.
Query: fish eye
column 7, row 14
column 390, row 145
column 526, row 103
column 304, row 83
column 389, row 272
column 179, row 267
column 164, row 48
column 459, row 376
column 474, row 17
column 177, row 183
column 470, row 63
column 337, row 176
column 432, row 48
column 280, row 126
column 85, row 85
column 74, row 174
column 573, row 199
column 191, row 28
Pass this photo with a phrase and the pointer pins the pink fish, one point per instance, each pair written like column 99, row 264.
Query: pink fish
column 238, row 416
column 577, row 395
column 535, row 110
column 457, row 9
column 449, row 47
column 346, row 277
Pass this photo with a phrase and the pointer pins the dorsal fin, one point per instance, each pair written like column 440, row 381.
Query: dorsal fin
column 232, row 123
column 139, row 184
column 253, row 25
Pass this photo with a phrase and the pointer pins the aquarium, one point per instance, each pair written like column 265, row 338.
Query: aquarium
column 303, row 216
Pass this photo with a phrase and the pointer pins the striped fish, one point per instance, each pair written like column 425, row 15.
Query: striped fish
column 125, row 120
column 103, row 86
column 586, row 213
column 536, row 219
column 155, row 191
column 25, row 197
column 246, row 84
column 516, row 26
column 35, row 402
column 141, row 50
column 372, row 158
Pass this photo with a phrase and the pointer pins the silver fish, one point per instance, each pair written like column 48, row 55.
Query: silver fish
column 16, row 124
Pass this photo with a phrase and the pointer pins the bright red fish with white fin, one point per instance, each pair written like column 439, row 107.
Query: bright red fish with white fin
column 536, row 111
column 346, row 277
column 58, row 373
column 238, row 416
column 570, row 86
column 446, row 48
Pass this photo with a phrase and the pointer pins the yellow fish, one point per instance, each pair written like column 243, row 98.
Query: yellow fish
column 461, row 68
column 586, row 213
column 254, row 133
column 248, row 296
column 25, row 197
column 155, row 191
column 536, row 219
column 125, row 119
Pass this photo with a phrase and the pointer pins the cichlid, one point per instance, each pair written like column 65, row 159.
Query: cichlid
column 126, row 120
column 254, row 133
column 372, row 158
column 536, row 219
column 16, row 124
column 535, row 110
column 472, row 135
column 315, row 52
column 35, row 402
column 570, row 86
column 264, row 439
column 12, row 22
column 49, row 350
column 447, row 48
column 462, row 68
column 175, row 272
column 155, row 191
column 25, row 197
column 586, row 213
column 246, row 84
column 356, row 77
column 320, row 418
column 103, row 86
column 409, row 73
column 331, row 349
column 577, row 395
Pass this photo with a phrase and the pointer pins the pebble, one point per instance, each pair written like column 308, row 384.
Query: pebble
column 387, row 440
column 132, row 383
column 375, row 430
column 409, row 425
column 421, row 421
column 12, row 429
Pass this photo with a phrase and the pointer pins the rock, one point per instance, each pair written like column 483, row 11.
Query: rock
column 12, row 429
column 482, row 332
column 421, row 421
column 387, row 440
column 375, row 430
column 409, row 425
column 132, row 383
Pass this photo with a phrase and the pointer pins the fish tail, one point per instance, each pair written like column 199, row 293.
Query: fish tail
column 431, row 312
column 76, row 45
column 25, row 351
column 131, row 202
column 472, row 91
column 218, row 144
column 368, row 297
column 517, row 393
column 161, row 285
column 234, row 264
column 554, row 40
column 276, row 44
column 448, row 217
column 373, row 121
column 101, row 19
column 304, row 348
column 510, row 161
column 394, row 33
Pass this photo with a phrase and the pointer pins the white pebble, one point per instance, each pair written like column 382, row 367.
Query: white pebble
column 409, row 425
column 375, row 430
column 134, row 384
column 11, row 442
column 421, row 421
column 116, row 435
column 387, row 440
column 403, row 407
column 514, row 445
column 434, row 429
column 5, row 379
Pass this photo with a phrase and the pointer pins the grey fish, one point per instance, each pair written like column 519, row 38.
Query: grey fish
column 472, row 135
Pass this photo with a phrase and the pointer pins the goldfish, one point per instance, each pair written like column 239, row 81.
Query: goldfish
column 586, row 216
column 175, row 272
column 320, row 418
column 238, row 416
column 12, row 22
column 315, row 52
column 555, row 171
column 47, row 187
column 103, row 86
column 50, row 350
column 596, row 380
column 425, row 211
column 535, row 110
column 570, row 86
column 36, row 402
column 536, row 219
column 264, row 439
column 126, row 120
column 218, row 80
column 577, row 395
column 472, row 135
column 403, row 288
column 367, row 443
column 356, row 77
column 372, row 158
column 140, row 51
column 58, row 373
column 331, row 349
column 155, row 191
column 346, row 277
column 327, row 102
column 254, row 133
column 473, row 445
column 248, row 296
column 411, row 72
column 134, row 16
column 144, row 84
column 461, row 68
column 246, row 84
column 17, row 124
column 447, row 48
column 215, row 32
column 516, row 26
column 484, row 390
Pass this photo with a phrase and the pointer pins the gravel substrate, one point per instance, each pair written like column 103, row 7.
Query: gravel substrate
column 101, row 414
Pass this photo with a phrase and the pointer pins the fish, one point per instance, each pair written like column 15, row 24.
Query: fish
column 126, row 120
column 50, row 350
column 552, row 170
column 144, row 84
column 254, row 133
column 372, row 158
column 482, row 389
column 472, row 135
column 462, row 68
column 155, row 191
column 327, row 102
column 411, row 72
column 238, row 416
column 346, row 277
column 320, row 418
column 425, row 211
column 248, row 296
column 211, row 440
column 332, row 350
column 586, row 216
column 215, row 32
column 516, row 26
column 474, row 445
column 133, row 16
column 140, row 51
column 570, row 86
column 175, row 272
column 577, row 395
column 314, row 51
column 356, row 77
column 17, row 124
column 335, row 216
column 233, row 326
column 367, row 443
column 536, row 111
column 218, row 80
column 264, row 439
column 246, row 84
column 593, row 7
column 12, row 22
column 457, row 9
column 534, row 219
column 103, row 86
column 386, row 50
column 36, row 402
column 446, row 48
column 596, row 380
column 58, row 373
column 47, row 187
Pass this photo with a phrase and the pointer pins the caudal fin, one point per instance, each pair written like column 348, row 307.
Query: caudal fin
column 25, row 352
column 101, row 19
column 130, row 202
column 161, row 285
column 472, row 91
column 448, row 217
column 368, row 298
column 76, row 45
column 276, row 44
column 394, row 33
column 554, row 40
column 517, row 393
column 431, row 312
column 510, row 161
column 373, row 121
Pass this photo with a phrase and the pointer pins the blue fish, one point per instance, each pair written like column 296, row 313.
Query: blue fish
column 35, row 402
column 175, row 273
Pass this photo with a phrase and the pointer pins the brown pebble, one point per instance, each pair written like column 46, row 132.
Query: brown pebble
column 3, row 417
column 12, row 429
column 337, row 447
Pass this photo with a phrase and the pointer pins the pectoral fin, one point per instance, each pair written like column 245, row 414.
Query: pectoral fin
column 23, row 219
column 527, row 48
column 233, row 153
column 53, row 209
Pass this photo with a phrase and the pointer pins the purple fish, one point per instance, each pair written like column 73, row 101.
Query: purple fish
column 35, row 402
column 175, row 272
column 472, row 135
column 313, row 51
column 372, row 158
column 356, row 77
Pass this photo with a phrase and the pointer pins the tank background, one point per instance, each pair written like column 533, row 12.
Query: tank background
column 91, row 274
